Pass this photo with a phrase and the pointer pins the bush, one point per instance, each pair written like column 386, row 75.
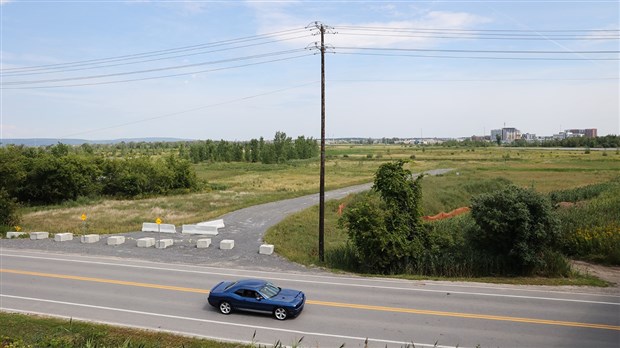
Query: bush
column 9, row 215
column 384, row 225
column 516, row 224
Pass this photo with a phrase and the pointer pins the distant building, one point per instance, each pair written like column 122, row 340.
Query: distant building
column 529, row 137
column 577, row 133
column 495, row 133
column 510, row 134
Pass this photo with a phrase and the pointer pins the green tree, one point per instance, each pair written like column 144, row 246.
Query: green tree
column 385, row 224
column 517, row 224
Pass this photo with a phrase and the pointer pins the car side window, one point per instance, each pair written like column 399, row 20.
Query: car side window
column 246, row 293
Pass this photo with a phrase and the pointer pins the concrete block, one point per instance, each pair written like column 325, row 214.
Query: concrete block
column 39, row 235
column 227, row 244
column 63, row 237
column 199, row 229
column 163, row 228
column 10, row 235
column 90, row 238
column 116, row 240
column 203, row 243
column 266, row 249
column 163, row 243
column 146, row 242
column 216, row 223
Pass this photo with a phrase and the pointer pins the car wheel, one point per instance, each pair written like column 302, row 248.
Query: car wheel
column 280, row 313
column 225, row 307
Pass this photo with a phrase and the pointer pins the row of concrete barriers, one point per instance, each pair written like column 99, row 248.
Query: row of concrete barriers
column 147, row 242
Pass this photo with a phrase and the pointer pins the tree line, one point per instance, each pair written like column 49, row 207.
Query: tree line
column 282, row 149
column 39, row 176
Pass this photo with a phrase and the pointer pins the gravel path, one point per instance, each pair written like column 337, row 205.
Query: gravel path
column 246, row 227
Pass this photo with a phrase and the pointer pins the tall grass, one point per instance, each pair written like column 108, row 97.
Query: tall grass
column 591, row 228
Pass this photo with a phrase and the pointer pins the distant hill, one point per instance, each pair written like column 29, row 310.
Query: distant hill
column 50, row 141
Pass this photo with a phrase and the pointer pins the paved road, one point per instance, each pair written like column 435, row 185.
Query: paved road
column 340, row 309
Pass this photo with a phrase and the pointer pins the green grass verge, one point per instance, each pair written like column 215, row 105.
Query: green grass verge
column 21, row 331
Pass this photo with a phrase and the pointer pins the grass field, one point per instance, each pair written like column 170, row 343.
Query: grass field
column 231, row 186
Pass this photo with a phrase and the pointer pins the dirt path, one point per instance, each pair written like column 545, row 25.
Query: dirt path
column 607, row 273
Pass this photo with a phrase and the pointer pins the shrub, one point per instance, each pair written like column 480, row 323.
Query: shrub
column 9, row 215
column 384, row 225
column 516, row 224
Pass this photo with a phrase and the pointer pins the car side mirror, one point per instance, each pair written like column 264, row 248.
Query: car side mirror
column 259, row 297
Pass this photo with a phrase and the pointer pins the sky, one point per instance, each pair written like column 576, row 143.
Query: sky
column 237, row 70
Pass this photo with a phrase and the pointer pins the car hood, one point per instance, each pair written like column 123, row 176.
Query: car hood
column 288, row 295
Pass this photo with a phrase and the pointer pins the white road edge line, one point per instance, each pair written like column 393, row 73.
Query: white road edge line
column 361, row 339
column 227, row 274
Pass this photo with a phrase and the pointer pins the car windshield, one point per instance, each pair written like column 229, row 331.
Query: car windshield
column 269, row 290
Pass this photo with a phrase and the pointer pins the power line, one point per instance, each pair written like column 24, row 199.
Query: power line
column 473, row 36
column 150, row 60
column 473, row 51
column 488, row 34
column 474, row 57
column 154, row 53
column 480, row 80
column 191, row 110
column 160, row 77
column 264, row 55
column 475, row 30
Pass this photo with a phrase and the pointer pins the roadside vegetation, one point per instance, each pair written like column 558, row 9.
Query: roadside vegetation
column 28, row 331
column 511, row 231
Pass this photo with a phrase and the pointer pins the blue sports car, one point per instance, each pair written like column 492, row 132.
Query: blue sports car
column 257, row 295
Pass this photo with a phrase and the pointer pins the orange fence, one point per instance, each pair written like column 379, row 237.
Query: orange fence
column 442, row 215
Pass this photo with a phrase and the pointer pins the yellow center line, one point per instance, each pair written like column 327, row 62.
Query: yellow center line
column 108, row 281
column 333, row 304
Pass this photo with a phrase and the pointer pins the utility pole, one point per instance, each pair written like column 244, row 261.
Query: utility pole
column 322, row 29
column 322, row 175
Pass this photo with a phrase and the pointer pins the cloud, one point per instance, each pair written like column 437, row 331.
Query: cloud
column 387, row 38
column 273, row 17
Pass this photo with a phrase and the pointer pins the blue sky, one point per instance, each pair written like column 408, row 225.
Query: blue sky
column 227, row 94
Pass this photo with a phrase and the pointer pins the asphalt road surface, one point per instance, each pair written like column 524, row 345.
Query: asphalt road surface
column 339, row 309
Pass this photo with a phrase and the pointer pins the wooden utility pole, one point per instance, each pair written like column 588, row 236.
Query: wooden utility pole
column 322, row 175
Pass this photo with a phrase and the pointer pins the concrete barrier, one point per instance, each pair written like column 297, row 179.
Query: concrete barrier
column 63, row 237
column 10, row 235
column 39, row 235
column 199, row 229
column 203, row 243
column 146, row 242
column 163, row 228
column 116, row 240
column 217, row 223
column 90, row 238
column 266, row 249
column 163, row 243
column 227, row 244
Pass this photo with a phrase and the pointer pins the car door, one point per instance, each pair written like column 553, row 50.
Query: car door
column 247, row 299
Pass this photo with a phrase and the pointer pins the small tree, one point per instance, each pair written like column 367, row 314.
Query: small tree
column 384, row 223
column 516, row 223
